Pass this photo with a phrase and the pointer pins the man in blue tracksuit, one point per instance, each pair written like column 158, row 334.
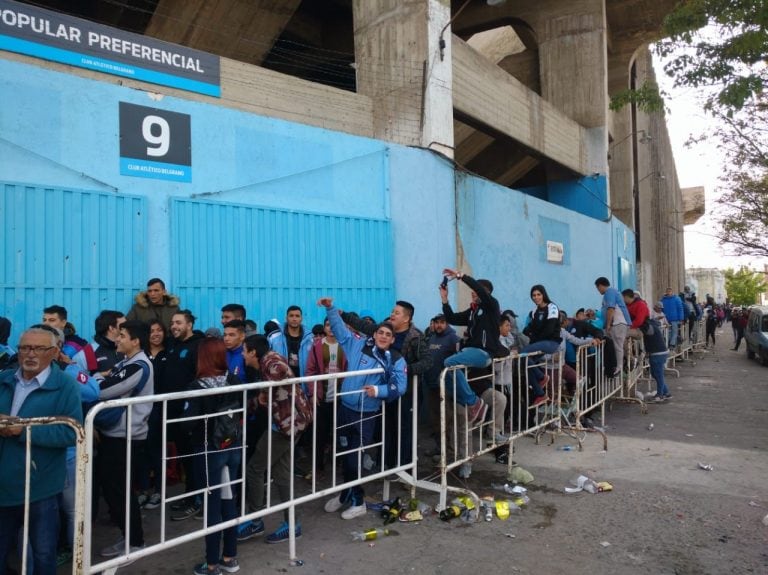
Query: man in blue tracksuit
column 360, row 399
column 293, row 342
column 674, row 312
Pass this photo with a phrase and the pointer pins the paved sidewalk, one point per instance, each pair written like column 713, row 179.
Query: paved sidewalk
column 665, row 514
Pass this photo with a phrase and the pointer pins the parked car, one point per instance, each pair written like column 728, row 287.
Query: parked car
column 756, row 334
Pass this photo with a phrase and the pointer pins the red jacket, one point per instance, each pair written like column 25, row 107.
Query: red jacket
column 638, row 311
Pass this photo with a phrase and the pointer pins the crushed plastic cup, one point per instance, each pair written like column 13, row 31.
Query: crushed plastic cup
column 582, row 483
column 706, row 466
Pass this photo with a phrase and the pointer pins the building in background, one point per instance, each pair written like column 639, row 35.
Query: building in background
column 268, row 152
column 707, row 281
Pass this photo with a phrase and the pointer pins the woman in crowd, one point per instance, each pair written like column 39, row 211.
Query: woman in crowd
column 544, row 331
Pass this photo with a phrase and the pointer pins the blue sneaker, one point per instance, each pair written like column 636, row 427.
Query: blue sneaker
column 204, row 569
column 250, row 529
column 282, row 533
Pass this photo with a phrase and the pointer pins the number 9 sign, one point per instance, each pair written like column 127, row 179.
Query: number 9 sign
column 155, row 143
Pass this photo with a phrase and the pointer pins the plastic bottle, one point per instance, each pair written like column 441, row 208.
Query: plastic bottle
column 507, row 488
column 369, row 534
column 487, row 510
column 565, row 448
column 450, row 512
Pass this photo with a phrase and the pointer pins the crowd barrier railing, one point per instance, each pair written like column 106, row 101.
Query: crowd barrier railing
column 80, row 481
column 592, row 391
column 299, row 494
column 511, row 414
column 633, row 371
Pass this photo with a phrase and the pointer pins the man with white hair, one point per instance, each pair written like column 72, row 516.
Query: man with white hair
column 39, row 388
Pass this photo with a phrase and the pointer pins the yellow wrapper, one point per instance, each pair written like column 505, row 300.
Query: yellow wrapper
column 604, row 486
column 467, row 502
column 502, row 509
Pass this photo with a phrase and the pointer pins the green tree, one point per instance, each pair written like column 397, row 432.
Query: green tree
column 720, row 44
column 742, row 205
column 744, row 286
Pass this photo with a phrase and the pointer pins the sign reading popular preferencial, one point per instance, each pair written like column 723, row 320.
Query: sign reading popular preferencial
column 155, row 143
column 60, row 38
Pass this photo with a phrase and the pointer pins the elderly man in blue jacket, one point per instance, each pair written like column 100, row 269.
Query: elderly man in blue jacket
column 360, row 399
column 37, row 389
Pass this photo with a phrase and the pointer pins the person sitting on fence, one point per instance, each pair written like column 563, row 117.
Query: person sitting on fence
column 569, row 343
column 38, row 388
column 544, row 330
column 638, row 312
column 291, row 416
column 359, row 407
column 482, row 343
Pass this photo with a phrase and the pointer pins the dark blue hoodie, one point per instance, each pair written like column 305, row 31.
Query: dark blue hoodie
column 441, row 347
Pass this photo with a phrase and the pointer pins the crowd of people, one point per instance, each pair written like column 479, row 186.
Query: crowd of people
column 156, row 349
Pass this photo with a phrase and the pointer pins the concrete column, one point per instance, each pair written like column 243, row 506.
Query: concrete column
column 620, row 154
column 399, row 66
column 574, row 78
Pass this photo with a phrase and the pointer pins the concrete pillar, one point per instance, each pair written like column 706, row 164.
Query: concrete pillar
column 398, row 66
column 620, row 161
column 574, row 78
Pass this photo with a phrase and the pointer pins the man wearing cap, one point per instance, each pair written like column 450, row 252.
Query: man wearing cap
column 443, row 342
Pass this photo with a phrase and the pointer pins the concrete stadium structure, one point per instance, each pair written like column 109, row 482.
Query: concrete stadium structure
column 353, row 147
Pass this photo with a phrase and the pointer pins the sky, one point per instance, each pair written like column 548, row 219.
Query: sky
column 698, row 166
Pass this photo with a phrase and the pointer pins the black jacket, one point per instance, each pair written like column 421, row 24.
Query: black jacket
column 482, row 320
column 178, row 368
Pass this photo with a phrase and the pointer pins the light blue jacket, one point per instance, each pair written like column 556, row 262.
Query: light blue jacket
column 278, row 343
column 363, row 354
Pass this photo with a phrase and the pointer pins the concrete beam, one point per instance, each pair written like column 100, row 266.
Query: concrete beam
column 258, row 91
column 487, row 94
column 236, row 29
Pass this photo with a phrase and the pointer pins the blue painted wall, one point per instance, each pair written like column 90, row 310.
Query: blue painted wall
column 392, row 212
column 504, row 232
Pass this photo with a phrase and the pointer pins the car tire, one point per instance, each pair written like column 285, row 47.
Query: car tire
column 764, row 357
column 750, row 353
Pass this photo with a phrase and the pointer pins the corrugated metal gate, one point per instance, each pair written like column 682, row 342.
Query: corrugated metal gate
column 268, row 259
column 85, row 250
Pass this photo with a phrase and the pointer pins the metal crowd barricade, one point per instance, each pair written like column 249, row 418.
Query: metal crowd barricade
column 405, row 470
column 506, row 389
column 632, row 372
column 591, row 392
column 29, row 424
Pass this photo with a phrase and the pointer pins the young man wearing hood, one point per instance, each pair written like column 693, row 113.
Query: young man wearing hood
column 357, row 417
column 155, row 303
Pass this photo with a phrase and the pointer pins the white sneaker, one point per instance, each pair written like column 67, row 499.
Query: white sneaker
column 354, row 511
column 465, row 470
column 333, row 505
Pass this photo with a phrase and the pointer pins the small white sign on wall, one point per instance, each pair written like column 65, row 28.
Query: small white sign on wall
column 554, row 252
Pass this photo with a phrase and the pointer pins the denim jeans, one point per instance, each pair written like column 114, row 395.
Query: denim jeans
column 535, row 373
column 672, row 341
column 220, row 509
column 656, row 364
column 67, row 501
column 43, row 533
column 354, row 429
column 471, row 357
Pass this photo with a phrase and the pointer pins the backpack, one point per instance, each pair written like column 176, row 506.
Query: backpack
column 226, row 430
column 108, row 418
